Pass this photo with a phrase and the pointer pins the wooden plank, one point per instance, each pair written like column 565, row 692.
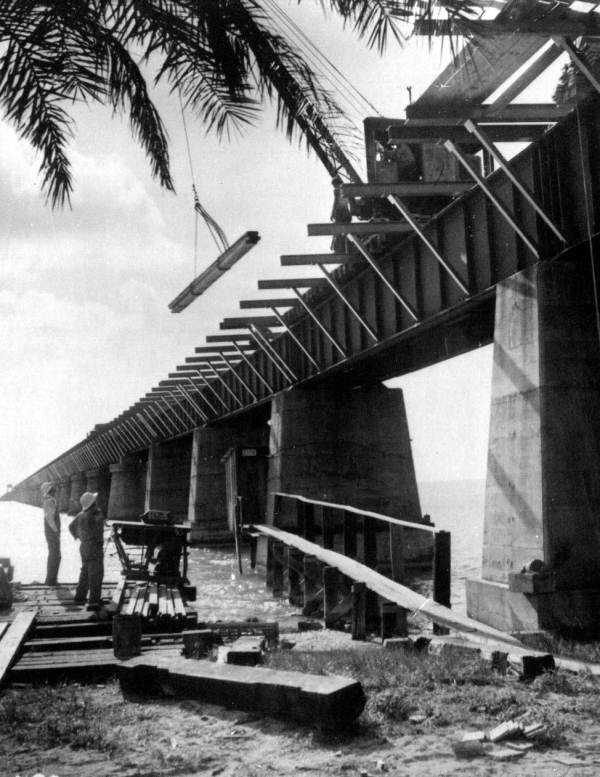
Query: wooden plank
column 407, row 189
column 242, row 321
column 360, row 228
column 358, row 511
column 13, row 640
column 292, row 260
column 3, row 627
column 117, row 598
column 316, row 699
column 388, row 589
column 153, row 599
column 278, row 302
column 178, row 603
column 288, row 283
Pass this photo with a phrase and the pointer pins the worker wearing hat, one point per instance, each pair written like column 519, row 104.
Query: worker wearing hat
column 87, row 527
column 51, row 531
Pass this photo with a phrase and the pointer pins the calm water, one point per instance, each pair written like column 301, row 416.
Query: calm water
column 222, row 593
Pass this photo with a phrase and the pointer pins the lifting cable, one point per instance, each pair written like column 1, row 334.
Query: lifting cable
column 217, row 234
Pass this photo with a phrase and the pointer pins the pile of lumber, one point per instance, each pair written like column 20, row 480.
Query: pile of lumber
column 155, row 601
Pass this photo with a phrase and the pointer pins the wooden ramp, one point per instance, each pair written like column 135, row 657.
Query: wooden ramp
column 388, row 589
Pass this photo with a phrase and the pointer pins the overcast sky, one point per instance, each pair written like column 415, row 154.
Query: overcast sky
column 84, row 292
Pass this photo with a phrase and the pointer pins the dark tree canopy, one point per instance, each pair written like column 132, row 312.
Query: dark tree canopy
column 223, row 56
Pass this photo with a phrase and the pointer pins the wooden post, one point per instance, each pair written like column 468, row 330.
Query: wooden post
column 349, row 530
column 295, row 569
column 328, row 523
column 300, row 521
column 269, row 574
column 253, row 549
column 312, row 585
column 277, row 509
column 441, row 574
column 370, row 560
column 393, row 620
column 331, row 594
column 309, row 522
column 359, row 611
column 278, row 565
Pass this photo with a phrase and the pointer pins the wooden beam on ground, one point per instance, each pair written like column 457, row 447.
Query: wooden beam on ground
column 14, row 639
column 407, row 189
column 323, row 700
column 388, row 589
column 293, row 260
column 360, row 228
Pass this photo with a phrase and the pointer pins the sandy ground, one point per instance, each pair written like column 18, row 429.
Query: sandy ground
column 174, row 737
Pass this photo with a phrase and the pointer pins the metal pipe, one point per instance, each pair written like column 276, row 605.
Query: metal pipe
column 347, row 302
column 500, row 207
column 193, row 402
column 277, row 360
column 405, row 303
column 212, row 388
column 527, row 194
column 321, row 326
column 239, row 377
column 399, row 205
column 201, row 395
column 258, row 374
column 225, row 386
column 294, row 338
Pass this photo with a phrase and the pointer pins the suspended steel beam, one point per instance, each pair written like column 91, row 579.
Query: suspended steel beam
column 407, row 189
column 359, row 228
column 318, row 323
column 272, row 354
column 512, row 176
column 254, row 369
column 404, row 302
column 214, row 271
column 401, row 207
column 339, row 291
column 292, row 260
column 291, row 283
column 280, row 302
column 292, row 335
column 500, row 207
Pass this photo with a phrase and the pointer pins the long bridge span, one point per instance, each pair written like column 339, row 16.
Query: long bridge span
column 446, row 247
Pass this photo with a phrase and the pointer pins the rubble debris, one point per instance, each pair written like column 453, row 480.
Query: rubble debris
column 506, row 730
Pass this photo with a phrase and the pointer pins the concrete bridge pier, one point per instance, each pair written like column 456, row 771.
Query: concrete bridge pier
column 541, row 547
column 78, row 486
column 207, row 510
column 127, row 489
column 98, row 480
column 347, row 446
column 168, row 477
column 64, row 494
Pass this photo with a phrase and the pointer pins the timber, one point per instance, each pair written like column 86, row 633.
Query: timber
column 324, row 700
column 292, row 260
column 13, row 640
column 407, row 189
column 291, row 283
column 278, row 302
column 243, row 321
column 360, row 228
column 388, row 589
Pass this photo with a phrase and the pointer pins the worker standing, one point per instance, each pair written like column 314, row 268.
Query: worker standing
column 51, row 531
column 87, row 527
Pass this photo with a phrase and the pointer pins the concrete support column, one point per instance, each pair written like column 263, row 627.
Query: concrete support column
column 78, row 486
column 64, row 494
column 348, row 447
column 168, row 477
column 127, row 487
column 541, row 552
column 98, row 480
column 207, row 498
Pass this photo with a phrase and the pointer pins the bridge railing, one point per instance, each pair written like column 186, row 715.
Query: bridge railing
column 380, row 542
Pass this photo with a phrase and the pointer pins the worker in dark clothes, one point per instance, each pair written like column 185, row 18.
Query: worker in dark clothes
column 51, row 531
column 87, row 527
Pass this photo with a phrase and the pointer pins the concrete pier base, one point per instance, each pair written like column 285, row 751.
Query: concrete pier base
column 207, row 509
column 127, row 490
column 348, row 447
column 98, row 480
column 168, row 477
column 78, row 486
column 541, row 548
